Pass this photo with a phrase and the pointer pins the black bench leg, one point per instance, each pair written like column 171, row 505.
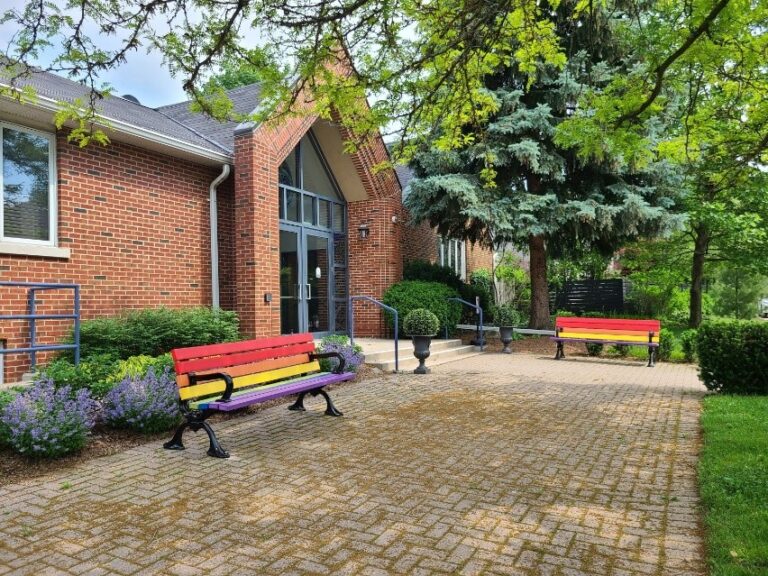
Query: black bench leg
column 651, row 357
column 560, row 353
column 299, row 404
column 175, row 443
column 330, row 409
column 215, row 448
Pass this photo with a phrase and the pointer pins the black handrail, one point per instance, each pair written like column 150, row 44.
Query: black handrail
column 351, row 316
column 479, row 340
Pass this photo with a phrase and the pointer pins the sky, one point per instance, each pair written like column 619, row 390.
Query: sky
column 143, row 76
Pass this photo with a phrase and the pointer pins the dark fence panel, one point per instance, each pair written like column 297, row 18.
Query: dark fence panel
column 592, row 296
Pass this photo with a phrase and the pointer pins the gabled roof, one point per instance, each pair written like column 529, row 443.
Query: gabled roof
column 175, row 121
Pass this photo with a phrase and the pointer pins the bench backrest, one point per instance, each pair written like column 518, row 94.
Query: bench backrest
column 608, row 329
column 249, row 363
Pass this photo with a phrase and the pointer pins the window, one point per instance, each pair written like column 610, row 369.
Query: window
column 27, row 186
column 450, row 253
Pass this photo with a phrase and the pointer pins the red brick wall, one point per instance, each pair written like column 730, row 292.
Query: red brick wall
column 137, row 225
column 478, row 257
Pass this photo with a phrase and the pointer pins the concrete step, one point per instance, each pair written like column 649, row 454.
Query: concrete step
column 385, row 351
column 437, row 356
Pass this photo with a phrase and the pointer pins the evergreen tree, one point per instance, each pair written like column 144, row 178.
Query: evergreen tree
column 514, row 183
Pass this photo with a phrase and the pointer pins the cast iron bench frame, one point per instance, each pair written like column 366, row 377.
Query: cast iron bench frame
column 600, row 330
column 281, row 366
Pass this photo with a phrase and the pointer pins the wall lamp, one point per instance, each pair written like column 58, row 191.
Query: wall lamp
column 363, row 231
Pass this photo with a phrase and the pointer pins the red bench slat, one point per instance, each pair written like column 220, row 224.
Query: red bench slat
column 213, row 362
column 609, row 323
column 192, row 352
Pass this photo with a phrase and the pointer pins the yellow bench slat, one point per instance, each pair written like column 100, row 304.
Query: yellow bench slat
column 607, row 336
column 218, row 386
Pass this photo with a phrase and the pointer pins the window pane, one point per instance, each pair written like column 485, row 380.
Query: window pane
column 324, row 216
column 281, row 203
column 292, row 209
column 26, row 185
column 287, row 172
column 316, row 178
column 309, row 210
column 338, row 218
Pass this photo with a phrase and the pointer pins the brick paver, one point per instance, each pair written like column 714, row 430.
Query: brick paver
column 497, row 465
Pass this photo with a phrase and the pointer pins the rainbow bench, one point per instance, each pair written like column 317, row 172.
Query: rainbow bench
column 608, row 331
column 226, row 377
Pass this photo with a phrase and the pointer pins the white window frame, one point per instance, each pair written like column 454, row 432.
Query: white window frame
column 53, row 205
column 448, row 253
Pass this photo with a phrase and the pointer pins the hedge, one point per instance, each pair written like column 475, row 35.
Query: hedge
column 733, row 356
column 411, row 294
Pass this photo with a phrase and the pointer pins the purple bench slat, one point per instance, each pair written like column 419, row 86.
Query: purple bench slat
column 279, row 391
column 595, row 341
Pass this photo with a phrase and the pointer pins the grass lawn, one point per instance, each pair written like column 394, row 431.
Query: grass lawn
column 733, row 475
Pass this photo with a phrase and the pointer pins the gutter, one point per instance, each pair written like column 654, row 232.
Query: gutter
column 214, row 215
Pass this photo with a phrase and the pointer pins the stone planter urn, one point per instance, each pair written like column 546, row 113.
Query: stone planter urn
column 421, row 325
column 421, row 351
column 505, row 335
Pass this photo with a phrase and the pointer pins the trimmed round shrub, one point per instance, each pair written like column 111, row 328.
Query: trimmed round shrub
column 409, row 295
column 421, row 322
column 666, row 345
column 146, row 403
column 353, row 355
column 506, row 315
column 733, row 356
column 688, row 343
column 48, row 422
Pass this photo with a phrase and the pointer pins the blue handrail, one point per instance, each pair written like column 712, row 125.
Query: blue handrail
column 33, row 317
column 480, row 341
column 351, row 316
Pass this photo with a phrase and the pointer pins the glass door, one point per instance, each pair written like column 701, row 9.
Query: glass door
column 291, row 288
column 306, row 269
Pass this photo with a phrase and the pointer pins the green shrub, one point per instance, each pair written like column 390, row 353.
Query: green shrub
column 409, row 295
column 92, row 374
column 155, row 331
column 506, row 315
column 423, row 271
column 666, row 345
column 688, row 344
column 6, row 397
column 421, row 322
column 621, row 350
column 353, row 355
column 480, row 286
column 593, row 349
column 733, row 356
column 138, row 366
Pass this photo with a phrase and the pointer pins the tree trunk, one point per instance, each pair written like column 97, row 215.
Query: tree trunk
column 701, row 245
column 539, row 287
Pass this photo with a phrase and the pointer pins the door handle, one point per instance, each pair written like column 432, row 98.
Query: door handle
column 309, row 292
column 299, row 292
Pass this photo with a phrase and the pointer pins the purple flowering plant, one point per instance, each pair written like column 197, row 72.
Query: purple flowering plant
column 353, row 355
column 48, row 422
column 148, row 403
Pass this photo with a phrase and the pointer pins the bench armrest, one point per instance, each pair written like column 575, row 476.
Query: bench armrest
column 342, row 362
column 197, row 378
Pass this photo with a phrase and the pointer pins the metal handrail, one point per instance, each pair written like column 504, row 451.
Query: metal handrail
column 33, row 317
column 480, row 341
column 351, row 316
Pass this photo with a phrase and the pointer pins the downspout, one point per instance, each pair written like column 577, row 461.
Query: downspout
column 214, row 213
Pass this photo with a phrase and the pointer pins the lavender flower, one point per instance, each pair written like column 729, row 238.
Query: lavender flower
column 49, row 422
column 146, row 403
column 353, row 356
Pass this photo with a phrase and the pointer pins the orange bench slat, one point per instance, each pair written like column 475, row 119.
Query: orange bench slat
column 609, row 323
column 182, row 380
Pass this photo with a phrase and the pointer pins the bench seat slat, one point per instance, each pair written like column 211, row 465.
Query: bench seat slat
column 624, row 342
column 204, row 402
column 181, row 354
column 283, row 389
column 216, row 363
column 218, row 386
column 583, row 334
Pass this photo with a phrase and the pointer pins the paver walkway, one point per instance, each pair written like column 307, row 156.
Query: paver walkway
column 498, row 465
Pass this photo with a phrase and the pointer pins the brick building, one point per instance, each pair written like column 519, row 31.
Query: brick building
column 274, row 222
